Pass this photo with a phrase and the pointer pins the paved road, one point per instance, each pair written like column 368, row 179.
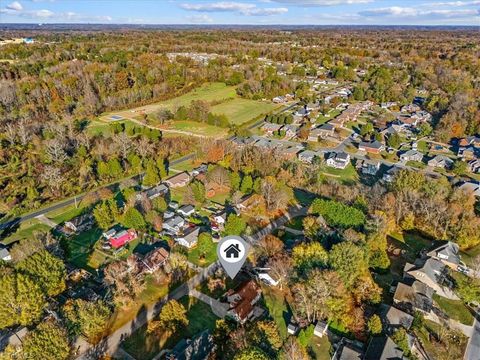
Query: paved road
column 71, row 201
column 473, row 347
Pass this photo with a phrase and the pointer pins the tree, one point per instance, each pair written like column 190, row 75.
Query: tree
column 400, row 338
column 337, row 214
column 252, row 353
column 366, row 129
column 247, row 184
column 204, row 243
column 86, row 317
column 159, row 204
column 292, row 350
column 311, row 226
column 460, row 167
column 22, row 301
column 281, row 269
column 270, row 245
column 374, row 325
column 235, row 180
column 266, row 336
column 133, row 219
column 198, row 191
column 173, row 316
column 468, row 288
column 307, row 256
column 234, row 225
column 154, row 219
column 394, row 141
column 47, row 270
column 424, row 129
column 349, row 260
column 48, row 338
column 151, row 177
column 106, row 213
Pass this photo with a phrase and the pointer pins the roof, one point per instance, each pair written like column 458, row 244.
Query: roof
column 159, row 189
column 327, row 127
column 471, row 187
column 395, row 317
column 196, row 349
column 383, row 348
column 155, row 257
column 4, row 253
column 373, row 145
column 247, row 293
column 179, row 178
column 414, row 295
column 186, row 208
column 347, row 352
column 432, row 268
column 175, row 221
column 308, row 154
column 192, row 235
column 123, row 237
column 411, row 153
column 448, row 251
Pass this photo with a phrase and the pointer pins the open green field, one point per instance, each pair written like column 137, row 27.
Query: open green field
column 455, row 309
column 198, row 128
column 25, row 231
column 239, row 111
column 145, row 346
column 277, row 308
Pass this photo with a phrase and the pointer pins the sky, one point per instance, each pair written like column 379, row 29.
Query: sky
column 244, row 12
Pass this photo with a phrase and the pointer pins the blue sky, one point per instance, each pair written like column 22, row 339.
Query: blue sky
column 261, row 12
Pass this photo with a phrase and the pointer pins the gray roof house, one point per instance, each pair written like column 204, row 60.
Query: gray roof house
column 157, row 191
column 174, row 224
column 471, row 187
column 349, row 350
column 307, row 156
column 338, row 160
column 186, row 210
column 441, row 161
column 447, row 253
column 393, row 318
column 411, row 155
column 413, row 296
column 383, row 348
column 197, row 348
column 189, row 238
column 5, row 254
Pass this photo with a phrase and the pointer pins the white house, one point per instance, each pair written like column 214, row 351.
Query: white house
column 338, row 160
column 186, row 210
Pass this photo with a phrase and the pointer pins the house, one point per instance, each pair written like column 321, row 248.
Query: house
column 441, row 161
column 154, row 260
column 448, row 254
column 202, row 169
column 270, row 128
column 179, row 180
column 466, row 153
column 5, row 254
column 326, row 130
column 432, row 273
column 413, row 296
column 471, row 187
column 474, row 166
column 278, row 99
column 374, row 147
column 388, row 105
column 383, row 348
column 410, row 108
column 242, row 302
column 320, row 329
column 189, row 238
column 302, row 112
column 174, row 224
column 470, row 140
column 186, row 210
column 156, row 191
column 314, row 134
column 390, row 174
column 122, row 238
column 393, row 318
column 338, row 160
column 411, row 155
column 307, row 156
column 290, row 130
column 109, row 233
column 220, row 218
column 349, row 350
column 368, row 167
column 292, row 329
column 79, row 223
column 198, row 348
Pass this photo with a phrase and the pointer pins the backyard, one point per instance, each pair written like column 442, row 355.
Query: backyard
column 145, row 346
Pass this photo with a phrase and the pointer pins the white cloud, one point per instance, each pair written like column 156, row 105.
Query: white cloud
column 323, row 2
column 402, row 12
column 236, row 7
column 200, row 19
column 16, row 6
column 452, row 3
column 40, row 13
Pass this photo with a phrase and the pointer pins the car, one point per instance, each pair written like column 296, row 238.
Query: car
column 464, row 270
column 106, row 246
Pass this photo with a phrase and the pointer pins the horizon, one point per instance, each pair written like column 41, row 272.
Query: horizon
column 244, row 12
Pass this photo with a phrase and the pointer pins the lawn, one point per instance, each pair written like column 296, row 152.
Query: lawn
column 145, row 346
column 81, row 252
column 240, row 111
column 277, row 308
column 296, row 223
column 25, row 231
column 198, row 128
column 321, row 347
column 346, row 176
column 210, row 255
column 412, row 242
column 455, row 309
column 416, row 164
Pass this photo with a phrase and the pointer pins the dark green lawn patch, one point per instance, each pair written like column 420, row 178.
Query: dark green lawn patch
column 338, row 214
column 455, row 309
column 277, row 308
column 206, row 259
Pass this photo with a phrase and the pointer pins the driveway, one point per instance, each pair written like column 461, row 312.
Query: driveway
column 473, row 347
column 218, row 308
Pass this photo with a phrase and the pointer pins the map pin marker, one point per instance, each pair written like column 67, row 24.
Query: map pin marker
column 232, row 251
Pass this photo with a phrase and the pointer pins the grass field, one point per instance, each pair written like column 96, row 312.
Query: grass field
column 455, row 309
column 145, row 346
column 278, row 308
column 239, row 111
column 210, row 255
column 25, row 231
column 198, row 128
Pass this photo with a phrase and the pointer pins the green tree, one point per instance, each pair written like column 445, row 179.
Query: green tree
column 204, row 243
column 235, row 180
column 366, row 129
column 349, row 261
column 106, row 213
column 252, row 353
column 310, row 227
column 162, row 169
column 159, row 204
column 151, row 176
column 468, row 289
column 459, row 167
column 374, row 325
column 133, row 219
column 338, row 214
column 305, row 335
column 48, row 338
column 424, row 129
column 400, row 338
column 234, row 225
column 47, row 270
column 114, row 168
column 173, row 316
column 86, row 317
column 394, row 141
column 22, row 301
column 247, row 184
column 198, row 190
column 307, row 256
